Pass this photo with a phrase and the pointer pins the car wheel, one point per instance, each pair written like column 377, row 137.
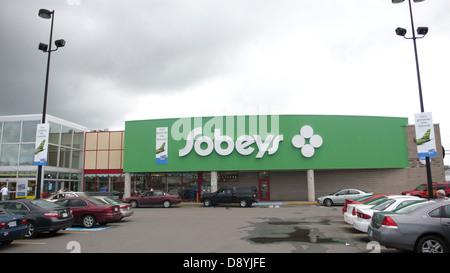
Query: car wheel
column 88, row 221
column 134, row 203
column 166, row 204
column 327, row 202
column 207, row 203
column 243, row 203
column 31, row 230
column 432, row 244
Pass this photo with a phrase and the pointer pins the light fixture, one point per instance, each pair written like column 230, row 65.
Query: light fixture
column 400, row 31
column 46, row 14
column 422, row 30
column 43, row 47
column 60, row 43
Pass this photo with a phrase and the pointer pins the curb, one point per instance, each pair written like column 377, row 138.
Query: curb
column 259, row 204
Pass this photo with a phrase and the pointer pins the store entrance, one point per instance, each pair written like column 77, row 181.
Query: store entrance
column 264, row 186
column 11, row 185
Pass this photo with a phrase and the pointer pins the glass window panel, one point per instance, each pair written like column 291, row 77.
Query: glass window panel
column 66, row 136
column 64, row 157
column 52, row 159
column 1, row 129
column 55, row 130
column 174, row 183
column 29, row 130
column 102, row 182
column 10, row 155
column 78, row 139
column 158, row 181
column 190, row 186
column 76, row 159
column 26, row 154
column 11, row 132
column 89, row 180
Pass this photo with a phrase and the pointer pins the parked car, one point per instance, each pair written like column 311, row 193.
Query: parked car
column 125, row 209
column 244, row 196
column 12, row 226
column 338, row 198
column 422, row 189
column 364, row 215
column 89, row 211
column 153, row 198
column 350, row 214
column 361, row 200
column 66, row 194
column 41, row 215
column 422, row 227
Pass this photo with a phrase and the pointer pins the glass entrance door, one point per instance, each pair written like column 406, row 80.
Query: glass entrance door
column 264, row 186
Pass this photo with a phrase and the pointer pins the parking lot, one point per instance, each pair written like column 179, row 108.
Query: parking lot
column 222, row 229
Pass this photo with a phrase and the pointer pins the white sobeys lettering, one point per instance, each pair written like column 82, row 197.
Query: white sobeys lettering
column 242, row 145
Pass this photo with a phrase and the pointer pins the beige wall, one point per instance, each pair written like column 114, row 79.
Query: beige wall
column 104, row 150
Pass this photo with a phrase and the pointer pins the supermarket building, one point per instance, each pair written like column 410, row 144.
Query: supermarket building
column 286, row 157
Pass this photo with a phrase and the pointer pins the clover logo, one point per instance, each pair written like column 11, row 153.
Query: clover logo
column 300, row 141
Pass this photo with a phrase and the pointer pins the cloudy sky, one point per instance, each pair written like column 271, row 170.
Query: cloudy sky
column 146, row 59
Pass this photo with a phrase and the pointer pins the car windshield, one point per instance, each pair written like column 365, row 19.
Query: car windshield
column 45, row 204
column 420, row 187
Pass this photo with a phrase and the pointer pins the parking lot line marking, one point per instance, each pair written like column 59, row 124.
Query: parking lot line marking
column 362, row 234
column 28, row 243
column 75, row 232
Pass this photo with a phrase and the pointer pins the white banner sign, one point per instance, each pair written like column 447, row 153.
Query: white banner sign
column 426, row 144
column 161, row 145
column 41, row 146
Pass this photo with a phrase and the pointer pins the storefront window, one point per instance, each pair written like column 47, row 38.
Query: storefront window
column 26, row 154
column 89, row 180
column 11, row 132
column 102, row 182
column 55, row 130
column 228, row 177
column 141, row 183
column 10, row 154
column 115, row 180
column 190, row 186
column 158, row 181
column 52, row 157
column 64, row 157
column 76, row 159
column 206, row 182
column 66, row 136
column 78, row 139
column 29, row 131
column 174, row 183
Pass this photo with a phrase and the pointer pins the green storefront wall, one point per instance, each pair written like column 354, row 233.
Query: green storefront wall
column 345, row 142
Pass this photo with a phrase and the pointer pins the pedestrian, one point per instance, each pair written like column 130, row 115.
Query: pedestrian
column 4, row 192
column 440, row 194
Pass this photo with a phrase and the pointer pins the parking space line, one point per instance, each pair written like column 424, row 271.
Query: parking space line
column 28, row 243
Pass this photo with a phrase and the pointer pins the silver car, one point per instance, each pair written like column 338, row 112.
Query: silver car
column 338, row 198
column 125, row 209
column 422, row 227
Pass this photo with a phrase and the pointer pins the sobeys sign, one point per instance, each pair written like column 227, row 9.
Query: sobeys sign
column 286, row 142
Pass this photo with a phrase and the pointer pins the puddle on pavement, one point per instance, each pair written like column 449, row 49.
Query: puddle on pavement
column 291, row 235
column 298, row 235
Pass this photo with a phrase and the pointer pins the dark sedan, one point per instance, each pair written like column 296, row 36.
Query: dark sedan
column 153, row 198
column 89, row 211
column 420, row 227
column 42, row 215
column 12, row 226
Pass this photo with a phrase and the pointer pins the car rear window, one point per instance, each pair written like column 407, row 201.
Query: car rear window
column 45, row 204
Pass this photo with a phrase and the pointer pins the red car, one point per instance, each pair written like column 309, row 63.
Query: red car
column 422, row 189
column 153, row 198
column 89, row 211
column 361, row 200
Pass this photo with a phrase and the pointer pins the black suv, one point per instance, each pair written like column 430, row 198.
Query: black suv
column 244, row 196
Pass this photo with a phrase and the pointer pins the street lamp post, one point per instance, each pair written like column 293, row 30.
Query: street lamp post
column 46, row 14
column 420, row 31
